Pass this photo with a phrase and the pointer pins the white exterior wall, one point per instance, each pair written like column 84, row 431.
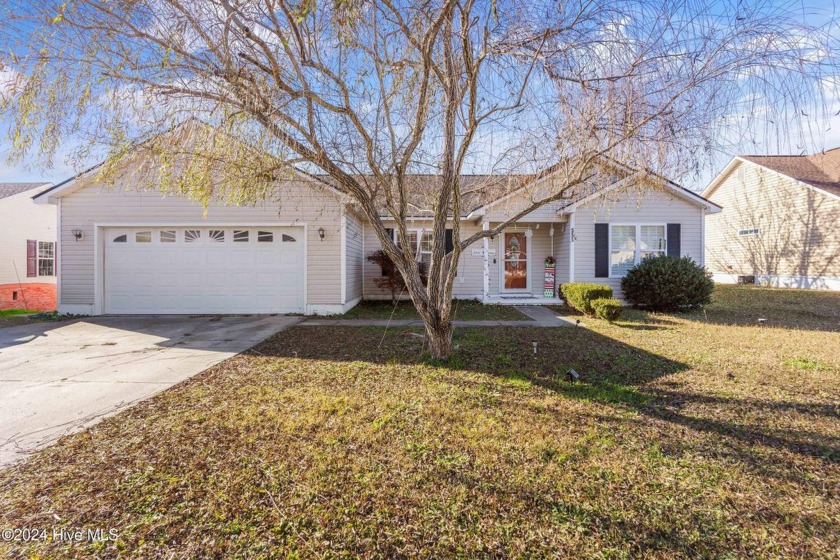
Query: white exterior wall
column 468, row 283
column 22, row 219
column 92, row 205
column 636, row 206
column 354, row 257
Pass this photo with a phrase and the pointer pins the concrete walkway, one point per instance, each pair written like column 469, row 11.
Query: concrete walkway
column 540, row 317
column 58, row 378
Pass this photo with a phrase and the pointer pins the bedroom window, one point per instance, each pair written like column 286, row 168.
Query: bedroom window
column 46, row 258
column 630, row 244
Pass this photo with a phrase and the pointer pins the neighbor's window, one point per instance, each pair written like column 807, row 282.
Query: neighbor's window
column 630, row 244
column 747, row 232
column 46, row 258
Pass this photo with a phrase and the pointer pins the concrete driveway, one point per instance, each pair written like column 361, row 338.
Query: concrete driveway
column 57, row 378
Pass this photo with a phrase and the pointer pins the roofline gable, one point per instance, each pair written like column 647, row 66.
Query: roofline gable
column 738, row 160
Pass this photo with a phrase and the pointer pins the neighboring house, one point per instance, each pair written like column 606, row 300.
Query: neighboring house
column 27, row 249
column 125, row 249
column 779, row 225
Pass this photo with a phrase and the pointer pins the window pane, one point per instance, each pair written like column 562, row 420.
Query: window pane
column 217, row 235
column 167, row 236
column 652, row 238
column 240, row 236
column 192, row 235
column 265, row 236
column 121, row 238
column 623, row 250
column 46, row 249
column 288, row 238
column 426, row 241
column 143, row 237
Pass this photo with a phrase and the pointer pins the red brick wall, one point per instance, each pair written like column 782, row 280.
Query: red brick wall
column 35, row 296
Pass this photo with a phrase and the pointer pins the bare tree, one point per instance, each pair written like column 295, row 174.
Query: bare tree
column 360, row 94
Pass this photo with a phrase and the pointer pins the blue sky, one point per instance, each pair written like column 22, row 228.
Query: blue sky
column 823, row 135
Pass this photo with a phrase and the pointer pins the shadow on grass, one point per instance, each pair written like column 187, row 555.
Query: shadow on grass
column 611, row 373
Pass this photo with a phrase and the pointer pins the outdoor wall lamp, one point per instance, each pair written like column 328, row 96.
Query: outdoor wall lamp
column 77, row 233
column 321, row 233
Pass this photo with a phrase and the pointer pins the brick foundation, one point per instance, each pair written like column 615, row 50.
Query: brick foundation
column 34, row 296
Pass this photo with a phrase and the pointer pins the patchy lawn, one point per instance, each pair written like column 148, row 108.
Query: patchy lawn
column 465, row 310
column 702, row 435
column 12, row 317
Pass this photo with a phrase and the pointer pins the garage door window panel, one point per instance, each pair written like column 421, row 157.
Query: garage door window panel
column 265, row 236
column 192, row 236
column 143, row 237
column 241, row 236
column 168, row 236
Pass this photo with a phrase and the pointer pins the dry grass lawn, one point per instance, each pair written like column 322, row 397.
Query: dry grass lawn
column 702, row 435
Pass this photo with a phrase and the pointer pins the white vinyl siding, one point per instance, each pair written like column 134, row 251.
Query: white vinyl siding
column 635, row 205
column 22, row 219
column 298, row 205
column 354, row 257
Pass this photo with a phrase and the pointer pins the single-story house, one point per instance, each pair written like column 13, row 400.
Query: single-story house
column 126, row 248
column 27, row 249
column 779, row 223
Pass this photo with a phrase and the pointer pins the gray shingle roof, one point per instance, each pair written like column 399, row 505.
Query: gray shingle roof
column 10, row 189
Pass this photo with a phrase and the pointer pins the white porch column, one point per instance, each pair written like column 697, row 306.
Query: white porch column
column 572, row 248
column 486, row 253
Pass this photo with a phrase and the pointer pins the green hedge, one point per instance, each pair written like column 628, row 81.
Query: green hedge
column 668, row 284
column 608, row 309
column 580, row 296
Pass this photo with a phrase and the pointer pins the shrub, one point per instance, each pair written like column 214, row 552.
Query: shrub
column 391, row 279
column 579, row 295
column 668, row 284
column 608, row 309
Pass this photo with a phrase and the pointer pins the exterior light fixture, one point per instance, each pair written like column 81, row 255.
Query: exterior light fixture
column 77, row 233
column 321, row 233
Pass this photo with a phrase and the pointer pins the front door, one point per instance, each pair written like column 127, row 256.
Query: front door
column 516, row 261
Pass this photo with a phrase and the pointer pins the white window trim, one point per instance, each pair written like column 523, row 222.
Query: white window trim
column 419, row 232
column 38, row 259
column 637, row 258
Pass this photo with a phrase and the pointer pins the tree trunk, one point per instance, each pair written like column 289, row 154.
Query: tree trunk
column 440, row 340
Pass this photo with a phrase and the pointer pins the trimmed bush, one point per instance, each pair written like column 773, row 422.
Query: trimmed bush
column 668, row 284
column 608, row 309
column 580, row 296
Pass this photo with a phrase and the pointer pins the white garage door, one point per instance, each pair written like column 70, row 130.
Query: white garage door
column 204, row 270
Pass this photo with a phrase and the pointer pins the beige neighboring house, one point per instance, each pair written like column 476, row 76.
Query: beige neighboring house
column 125, row 248
column 779, row 226
column 27, row 249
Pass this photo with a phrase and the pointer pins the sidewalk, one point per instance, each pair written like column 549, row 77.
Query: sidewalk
column 540, row 317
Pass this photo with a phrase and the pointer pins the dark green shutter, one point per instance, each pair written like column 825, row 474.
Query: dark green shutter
column 674, row 240
column 602, row 250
